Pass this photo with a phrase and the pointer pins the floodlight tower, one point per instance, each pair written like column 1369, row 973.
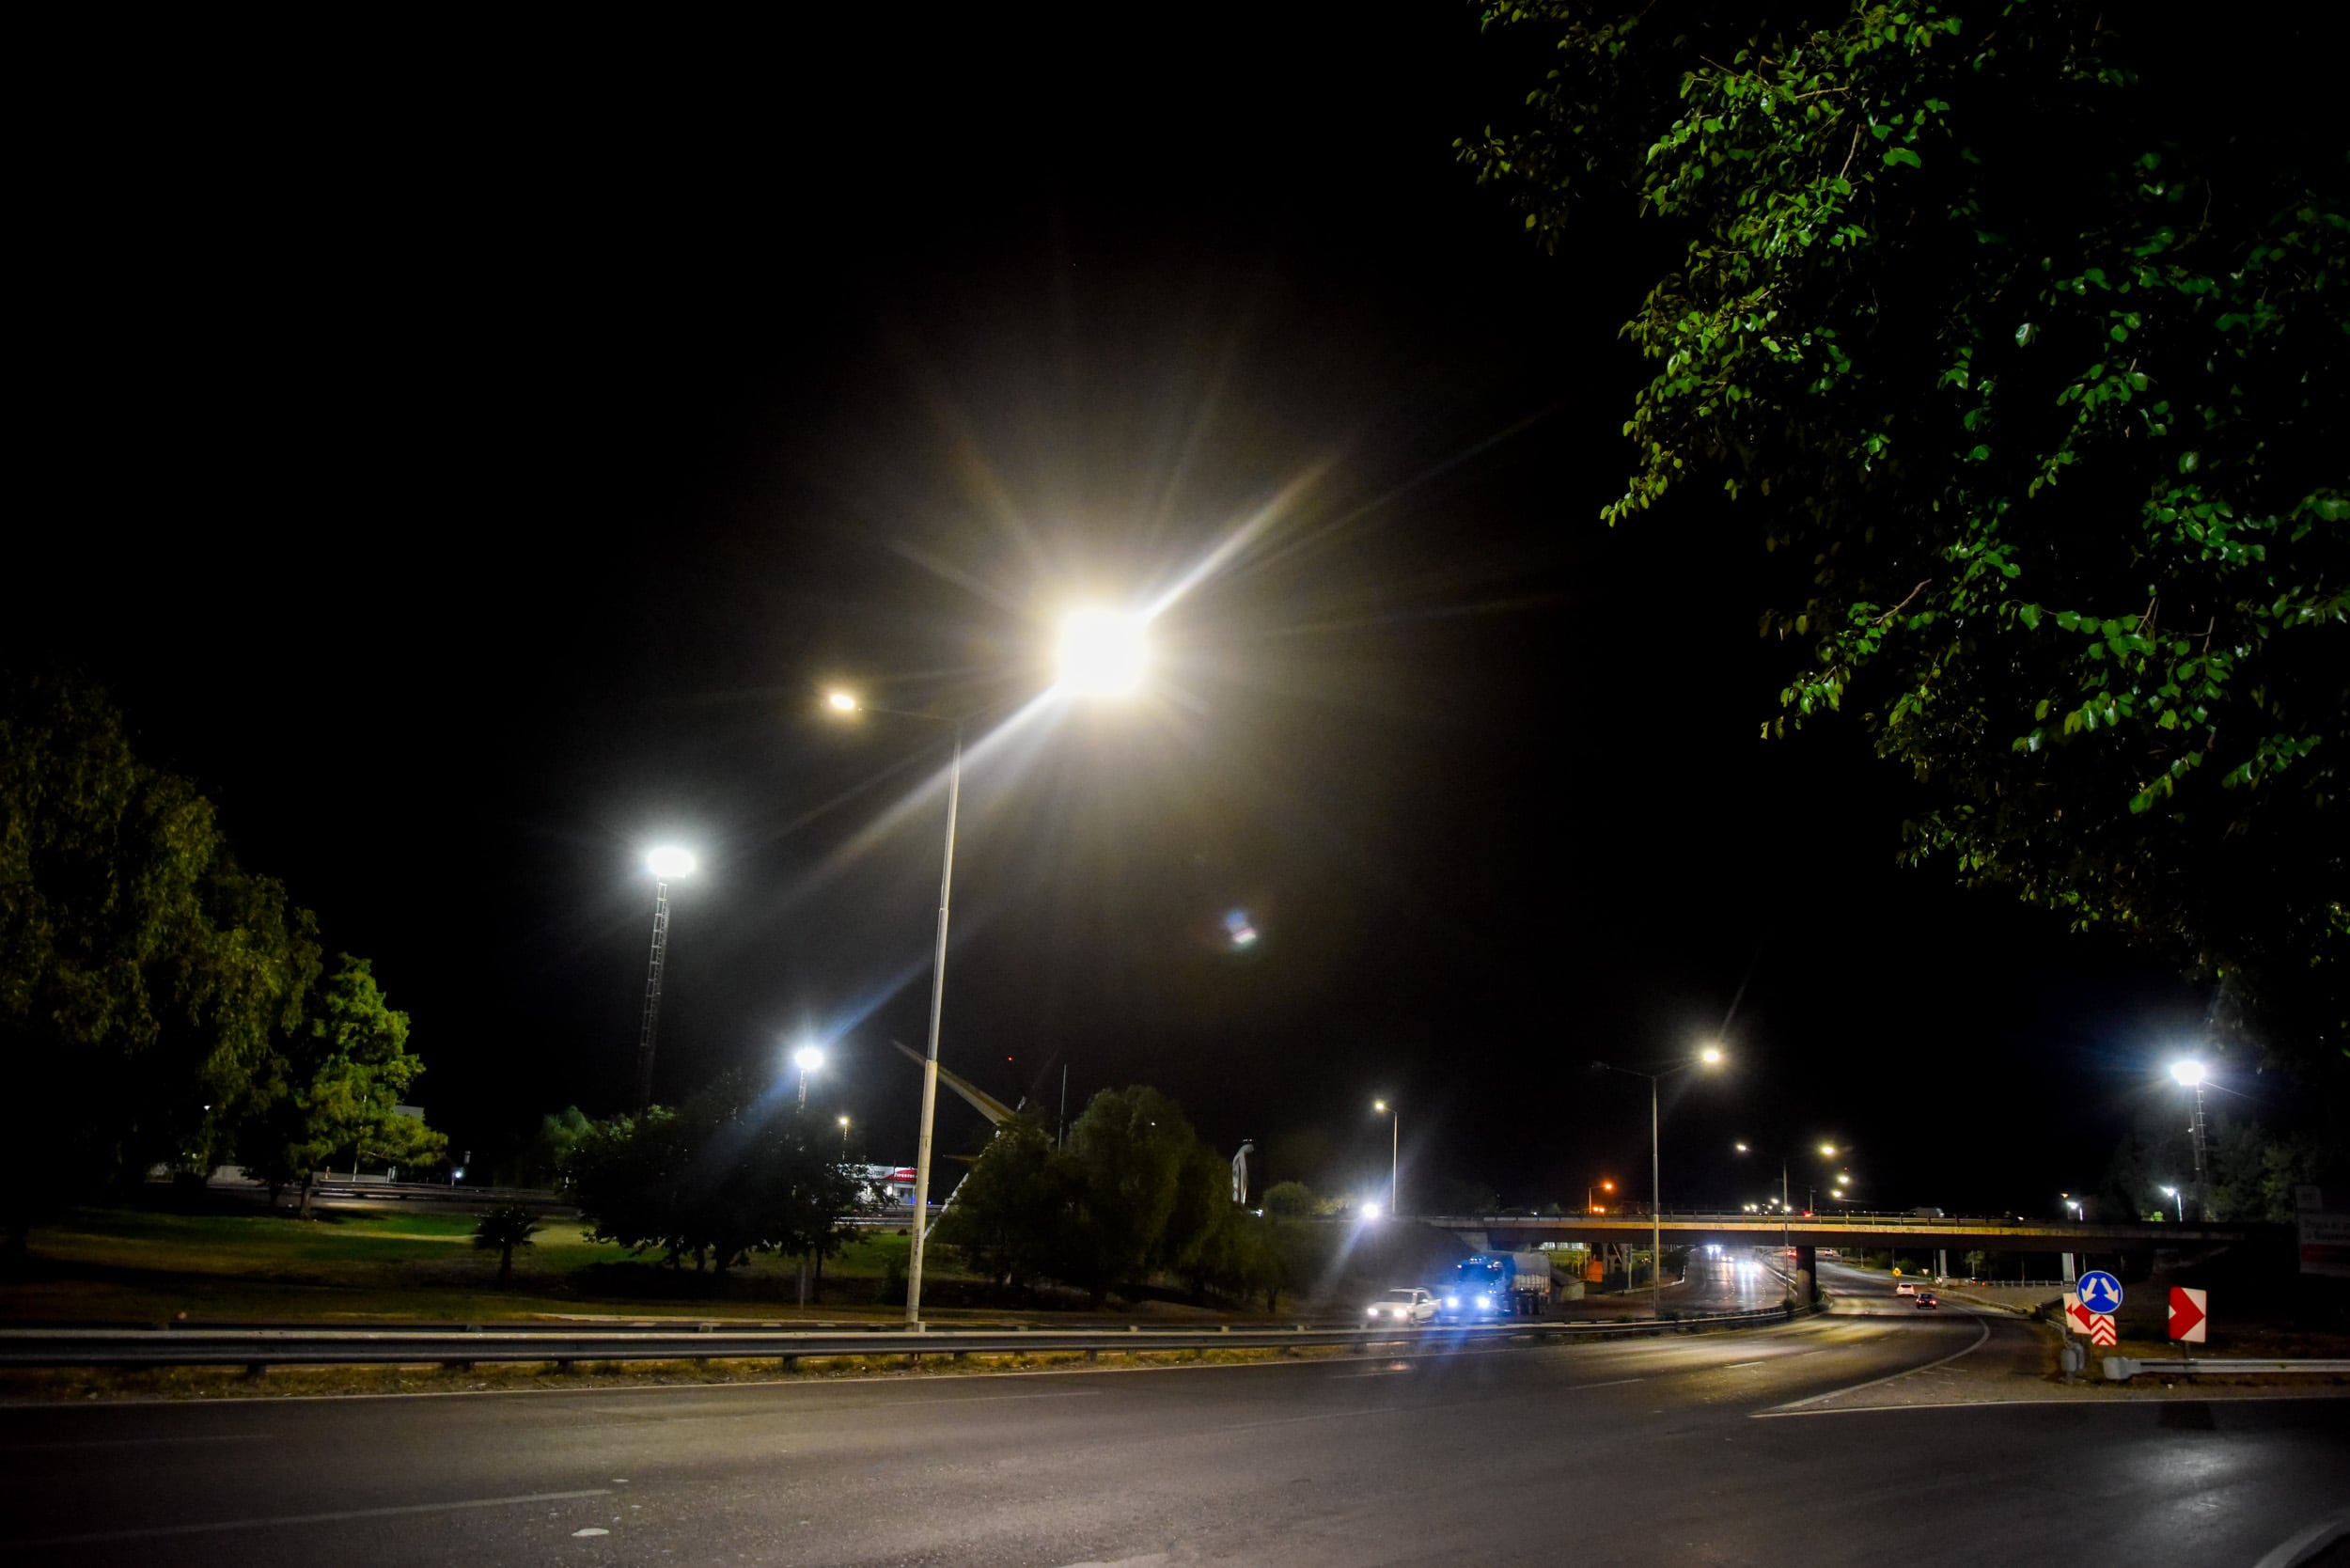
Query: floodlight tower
column 2191, row 1074
column 664, row 864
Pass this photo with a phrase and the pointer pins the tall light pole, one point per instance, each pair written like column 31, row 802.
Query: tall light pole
column 1101, row 652
column 808, row 1059
column 2192, row 1074
column 1710, row 1057
column 2178, row 1198
column 664, row 864
column 1590, row 1204
column 1395, row 1148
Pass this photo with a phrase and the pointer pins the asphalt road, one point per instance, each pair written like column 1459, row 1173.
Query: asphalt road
column 1676, row 1451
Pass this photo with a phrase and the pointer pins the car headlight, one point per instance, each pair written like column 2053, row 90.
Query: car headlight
column 1485, row 1301
column 1452, row 1301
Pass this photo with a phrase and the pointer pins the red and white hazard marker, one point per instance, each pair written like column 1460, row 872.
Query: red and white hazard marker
column 2101, row 1328
column 2190, row 1314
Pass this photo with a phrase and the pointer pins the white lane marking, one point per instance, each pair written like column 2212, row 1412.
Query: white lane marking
column 1983, row 1334
column 592, row 1529
column 1619, row 1383
column 2306, row 1544
column 341, row 1517
column 133, row 1442
column 1735, row 1365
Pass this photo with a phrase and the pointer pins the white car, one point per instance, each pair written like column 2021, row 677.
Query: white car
column 1409, row 1307
column 1906, row 1288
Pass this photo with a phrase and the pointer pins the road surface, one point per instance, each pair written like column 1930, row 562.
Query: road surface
column 1712, row 1449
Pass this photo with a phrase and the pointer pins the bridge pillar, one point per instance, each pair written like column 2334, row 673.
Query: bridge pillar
column 1807, row 1275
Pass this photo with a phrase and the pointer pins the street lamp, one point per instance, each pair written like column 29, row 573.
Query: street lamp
column 844, row 1137
column 2179, row 1199
column 1103, row 653
column 808, row 1059
column 1395, row 1147
column 2191, row 1074
column 665, row 863
column 1589, row 1204
column 1711, row 1055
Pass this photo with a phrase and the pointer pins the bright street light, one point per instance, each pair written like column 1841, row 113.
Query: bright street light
column 2178, row 1197
column 2189, row 1072
column 844, row 1137
column 665, row 862
column 1102, row 651
column 1711, row 1055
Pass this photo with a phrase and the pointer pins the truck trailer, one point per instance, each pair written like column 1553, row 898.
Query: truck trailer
column 1498, row 1285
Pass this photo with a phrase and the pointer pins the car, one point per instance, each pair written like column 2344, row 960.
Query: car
column 1906, row 1288
column 1927, row 1298
column 1401, row 1306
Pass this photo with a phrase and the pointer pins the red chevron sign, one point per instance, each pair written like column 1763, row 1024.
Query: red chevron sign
column 2190, row 1314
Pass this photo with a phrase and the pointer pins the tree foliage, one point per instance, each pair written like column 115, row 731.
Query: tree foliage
column 144, row 976
column 2028, row 365
column 333, row 1087
column 546, row 1160
column 169, row 1000
column 732, row 1172
column 1137, row 1193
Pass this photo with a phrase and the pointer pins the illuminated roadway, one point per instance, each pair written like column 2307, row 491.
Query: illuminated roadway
column 1668, row 1450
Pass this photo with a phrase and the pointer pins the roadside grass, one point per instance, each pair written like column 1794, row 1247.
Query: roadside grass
column 143, row 1266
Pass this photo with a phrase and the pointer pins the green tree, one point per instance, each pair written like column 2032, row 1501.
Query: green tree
column 142, row 973
column 502, row 1230
column 545, row 1161
column 1130, row 1150
column 730, row 1173
column 2017, row 331
column 1292, row 1200
column 1010, row 1213
column 333, row 1086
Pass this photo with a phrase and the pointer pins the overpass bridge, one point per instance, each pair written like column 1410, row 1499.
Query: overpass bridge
column 1806, row 1233
column 1991, row 1234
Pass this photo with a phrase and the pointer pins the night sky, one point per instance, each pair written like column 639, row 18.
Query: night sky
column 473, row 457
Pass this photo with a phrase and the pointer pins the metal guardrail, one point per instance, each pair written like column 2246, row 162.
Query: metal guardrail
column 256, row 1350
column 2121, row 1369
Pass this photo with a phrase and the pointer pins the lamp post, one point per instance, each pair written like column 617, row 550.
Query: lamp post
column 2179, row 1199
column 1590, row 1204
column 1395, row 1148
column 1101, row 652
column 664, row 864
column 1709, row 1057
column 844, row 1140
column 808, row 1059
column 2192, row 1074
column 1785, row 1236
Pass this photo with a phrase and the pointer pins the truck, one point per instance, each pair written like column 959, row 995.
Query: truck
column 1498, row 1285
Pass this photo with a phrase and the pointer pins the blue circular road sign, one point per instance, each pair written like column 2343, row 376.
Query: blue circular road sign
column 2100, row 1291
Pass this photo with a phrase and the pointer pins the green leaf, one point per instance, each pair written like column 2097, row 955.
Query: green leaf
column 1902, row 155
